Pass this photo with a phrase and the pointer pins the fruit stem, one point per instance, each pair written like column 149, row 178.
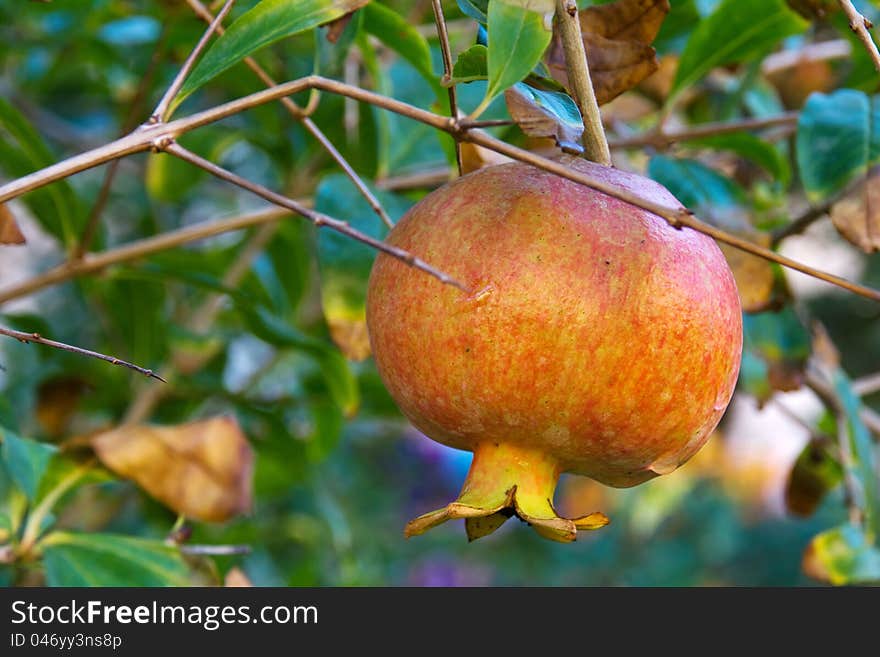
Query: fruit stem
column 578, row 70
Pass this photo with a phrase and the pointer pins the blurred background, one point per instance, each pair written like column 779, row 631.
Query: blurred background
column 264, row 325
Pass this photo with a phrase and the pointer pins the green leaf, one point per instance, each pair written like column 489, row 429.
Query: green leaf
column 737, row 30
column 26, row 461
column 747, row 145
column 56, row 206
column 269, row 21
column 683, row 16
column 394, row 31
column 518, row 38
column 711, row 195
column 476, row 9
column 74, row 559
column 328, row 425
column 345, row 263
column 862, row 449
column 546, row 114
column 843, row 555
column 471, row 65
column 340, row 381
column 779, row 343
column 838, row 139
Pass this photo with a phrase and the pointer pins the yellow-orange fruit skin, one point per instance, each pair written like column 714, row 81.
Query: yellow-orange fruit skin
column 595, row 333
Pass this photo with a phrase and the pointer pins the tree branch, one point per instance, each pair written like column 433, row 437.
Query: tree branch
column 316, row 218
column 302, row 115
column 160, row 113
column 36, row 338
column 158, row 136
column 442, row 34
column 93, row 262
column 860, row 25
column 663, row 139
column 595, row 143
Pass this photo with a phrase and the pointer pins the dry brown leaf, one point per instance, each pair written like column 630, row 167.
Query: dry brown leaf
column 823, row 348
column 202, row 470
column 236, row 578
column 814, row 9
column 337, row 27
column 57, row 401
column 475, row 157
column 754, row 276
column 857, row 215
column 10, row 233
column 617, row 40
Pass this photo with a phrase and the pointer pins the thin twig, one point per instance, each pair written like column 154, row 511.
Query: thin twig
column 215, row 550
column 36, row 338
column 813, row 213
column 317, row 218
column 823, row 51
column 867, row 385
column 93, row 262
column 678, row 217
column 131, row 120
column 442, row 34
column 578, row 71
column 660, row 140
column 199, row 321
column 303, row 115
column 159, row 114
column 860, row 25
column 156, row 136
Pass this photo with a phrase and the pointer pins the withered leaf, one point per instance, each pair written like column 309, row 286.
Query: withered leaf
column 814, row 474
column 814, row 9
column 755, row 279
column 202, row 470
column 857, row 215
column 337, row 27
column 617, row 38
column 546, row 114
column 10, row 233
column 475, row 157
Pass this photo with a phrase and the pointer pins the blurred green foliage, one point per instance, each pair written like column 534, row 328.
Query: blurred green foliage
column 338, row 471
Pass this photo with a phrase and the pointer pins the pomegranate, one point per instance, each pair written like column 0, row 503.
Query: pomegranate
column 597, row 340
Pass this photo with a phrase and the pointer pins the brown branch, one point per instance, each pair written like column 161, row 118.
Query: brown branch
column 443, row 35
column 131, row 121
column 158, row 135
column 36, row 338
column 814, row 213
column 867, row 385
column 317, row 218
column 199, row 321
column 860, row 25
column 93, row 262
column 160, row 113
column 303, row 115
column 664, row 139
column 823, row 51
column 678, row 217
column 594, row 140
